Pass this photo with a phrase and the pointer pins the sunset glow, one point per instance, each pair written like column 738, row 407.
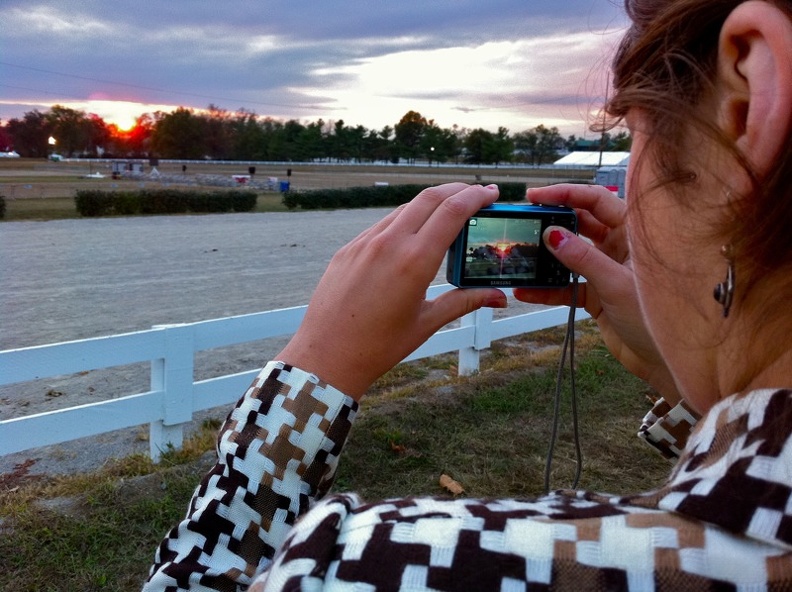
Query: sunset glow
column 122, row 114
column 123, row 124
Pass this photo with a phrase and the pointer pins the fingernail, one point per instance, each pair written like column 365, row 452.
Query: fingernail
column 496, row 302
column 556, row 238
column 491, row 186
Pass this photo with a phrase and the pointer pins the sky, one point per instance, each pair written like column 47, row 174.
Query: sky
column 469, row 63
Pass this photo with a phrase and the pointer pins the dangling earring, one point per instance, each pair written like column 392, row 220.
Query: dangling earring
column 724, row 291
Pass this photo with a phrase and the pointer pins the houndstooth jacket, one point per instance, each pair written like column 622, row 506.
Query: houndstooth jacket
column 722, row 521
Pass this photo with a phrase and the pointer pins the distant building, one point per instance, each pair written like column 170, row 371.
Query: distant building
column 610, row 168
column 122, row 167
column 593, row 159
column 614, row 178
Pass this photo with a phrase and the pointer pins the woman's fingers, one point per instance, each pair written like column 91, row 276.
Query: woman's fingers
column 425, row 229
column 377, row 227
column 552, row 296
column 425, row 206
column 601, row 215
column 449, row 217
column 437, row 213
column 600, row 202
column 579, row 255
column 454, row 304
column 601, row 271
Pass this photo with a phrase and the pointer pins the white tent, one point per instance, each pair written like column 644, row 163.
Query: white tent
column 594, row 159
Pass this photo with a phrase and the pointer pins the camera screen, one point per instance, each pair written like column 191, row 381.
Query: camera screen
column 505, row 248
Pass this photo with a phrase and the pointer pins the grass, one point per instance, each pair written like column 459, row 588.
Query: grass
column 52, row 208
column 489, row 432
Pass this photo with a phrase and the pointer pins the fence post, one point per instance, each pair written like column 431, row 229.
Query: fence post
column 173, row 376
column 481, row 321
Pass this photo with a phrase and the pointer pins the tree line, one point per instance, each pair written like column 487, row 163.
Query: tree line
column 217, row 134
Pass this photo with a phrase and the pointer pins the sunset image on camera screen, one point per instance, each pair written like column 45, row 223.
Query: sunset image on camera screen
column 502, row 248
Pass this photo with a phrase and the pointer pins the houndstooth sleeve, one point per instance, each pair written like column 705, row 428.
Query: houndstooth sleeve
column 277, row 454
column 667, row 428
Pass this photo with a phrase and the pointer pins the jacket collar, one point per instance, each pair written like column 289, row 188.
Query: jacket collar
column 736, row 470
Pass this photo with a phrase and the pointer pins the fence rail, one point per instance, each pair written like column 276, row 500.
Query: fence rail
column 174, row 394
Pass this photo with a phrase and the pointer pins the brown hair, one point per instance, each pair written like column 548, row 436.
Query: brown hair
column 666, row 67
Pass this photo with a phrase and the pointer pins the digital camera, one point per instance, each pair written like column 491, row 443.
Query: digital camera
column 501, row 246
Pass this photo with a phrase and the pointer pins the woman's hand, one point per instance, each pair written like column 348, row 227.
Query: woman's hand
column 369, row 310
column 609, row 293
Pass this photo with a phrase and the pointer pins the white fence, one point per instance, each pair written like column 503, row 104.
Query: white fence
column 174, row 395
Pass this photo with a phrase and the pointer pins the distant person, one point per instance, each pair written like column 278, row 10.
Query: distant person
column 689, row 281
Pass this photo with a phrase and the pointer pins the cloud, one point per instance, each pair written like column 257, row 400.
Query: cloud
column 304, row 59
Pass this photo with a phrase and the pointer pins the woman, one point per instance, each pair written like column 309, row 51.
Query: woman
column 706, row 89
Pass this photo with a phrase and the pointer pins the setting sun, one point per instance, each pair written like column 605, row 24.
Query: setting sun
column 124, row 124
column 122, row 114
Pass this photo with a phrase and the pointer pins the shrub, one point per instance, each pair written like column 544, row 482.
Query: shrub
column 2, row 207
column 365, row 197
column 291, row 199
column 127, row 203
column 218, row 201
column 222, row 201
column 93, row 203
column 199, row 202
column 163, row 201
column 243, row 201
column 352, row 197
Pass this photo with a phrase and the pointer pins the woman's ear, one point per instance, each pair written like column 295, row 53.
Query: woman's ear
column 755, row 81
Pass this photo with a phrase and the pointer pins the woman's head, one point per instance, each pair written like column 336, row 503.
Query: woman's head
column 667, row 68
column 709, row 84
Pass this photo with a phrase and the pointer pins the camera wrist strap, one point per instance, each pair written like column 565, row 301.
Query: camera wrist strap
column 569, row 345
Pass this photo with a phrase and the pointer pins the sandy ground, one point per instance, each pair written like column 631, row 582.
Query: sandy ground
column 72, row 279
